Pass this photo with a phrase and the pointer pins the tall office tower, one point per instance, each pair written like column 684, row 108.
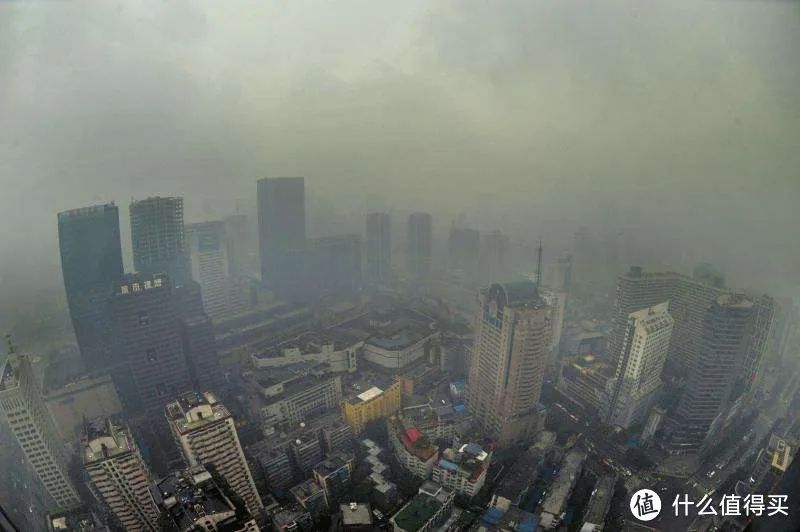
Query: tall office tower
column 236, row 241
column 208, row 256
column 562, row 274
column 91, row 261
column 689, row 299
column 146, row 318
column 726, row 336
column 206, row 434
column 557, row 302
column 378, row 248
column 157, row 237
column 464, row 251
column 337, row 265
column 633, row 389
column 495, row 256
column 508, row 360
column 281, row 226
column 419, row 246
column 33, row 427
column 764, row 309
column 200, row 348
column 119, row 475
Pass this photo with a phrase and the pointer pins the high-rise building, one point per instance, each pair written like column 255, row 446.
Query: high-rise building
column 509, row 355
column 30, row 422
column 150, row 348
column 281, row 226
column 119, row 475
column 206, row 434
column 236, row 241
column 157, row 237
column 719, row 368
column 464, row 251
column 689, row 300
column 638, row 375
column 495, row 256
column 327, row 266
column 200, row 349
column 419, row 246
column 208, row 256
column 378, row 248
column 91, row 262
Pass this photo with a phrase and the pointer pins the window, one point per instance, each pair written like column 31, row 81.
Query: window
column 144, row 318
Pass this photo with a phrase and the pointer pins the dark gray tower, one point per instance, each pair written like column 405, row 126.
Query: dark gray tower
column 726, row 337
column 91, row 262
column 419, row 246
column 146, row 313
column 157, row 238
column 281, row 226
column 378, row 248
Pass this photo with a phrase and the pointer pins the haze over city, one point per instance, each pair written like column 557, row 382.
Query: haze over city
column 680, row 116
column 209, row 206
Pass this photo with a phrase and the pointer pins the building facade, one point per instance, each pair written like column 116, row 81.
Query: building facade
column 717, row 372
column 371, row 405
column 206, row 434
column 149, row 345
column 91, row 263
column 378, row 248
column 30, row 422
column 420, row 241
column 509, row 356
column 281, row 227
column 208, row 257
column 158, row 238
column 119, row 475
column 638, row 374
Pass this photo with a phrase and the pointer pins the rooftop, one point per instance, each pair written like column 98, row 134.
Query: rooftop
column 105, row 441
column 306, row 489
column 422, row 507
column 355, row 514
column 192, row 410
column 190, row 495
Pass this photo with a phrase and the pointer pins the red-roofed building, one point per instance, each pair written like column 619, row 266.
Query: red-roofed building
column 412, row 448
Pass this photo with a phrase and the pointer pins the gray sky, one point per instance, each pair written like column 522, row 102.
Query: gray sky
column 679, row 118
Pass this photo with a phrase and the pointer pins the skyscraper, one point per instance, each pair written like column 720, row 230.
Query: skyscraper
column 508, row 360
column 464, row 251
column 91, row 262
column 146, row 314
column 689, row 300
column 157, row 237
column 281, row 226
column 206, row 434
column 638, row 375
column 495, row 256
column 119, row 475
column 378, row 248
column 725, row 340
column 32, row 426
column 200, row 348
column 208, row 256
column 419, row 246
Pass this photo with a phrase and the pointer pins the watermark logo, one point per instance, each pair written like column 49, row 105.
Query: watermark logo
column 645, row 505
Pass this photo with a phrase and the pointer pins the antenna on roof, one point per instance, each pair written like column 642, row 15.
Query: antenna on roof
column 539, row 266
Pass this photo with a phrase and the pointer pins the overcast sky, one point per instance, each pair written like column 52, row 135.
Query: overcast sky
column 681, row 116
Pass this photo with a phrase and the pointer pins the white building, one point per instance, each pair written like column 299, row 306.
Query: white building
column 639, row 364
column 208, row 255
column 119, row 476
column 401, row 348
column 462, row 470
column 557, row 301
column 413, row 450
column 205, row 431
column 340, row 358
column 32, row 426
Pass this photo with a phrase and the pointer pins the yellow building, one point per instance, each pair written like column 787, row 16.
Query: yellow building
column 371, row 405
